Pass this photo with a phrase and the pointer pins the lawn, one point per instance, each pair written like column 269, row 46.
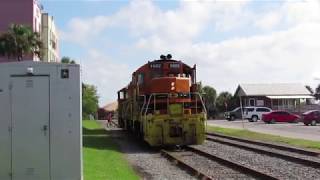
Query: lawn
column 101, row 156
column 265, row 137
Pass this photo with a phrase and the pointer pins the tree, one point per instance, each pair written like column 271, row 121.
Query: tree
column 310, row 89
column 317, row 92
column 223, row 101
column 67, row 60
column 209, row 96
column 90, row 100
column 20, row 41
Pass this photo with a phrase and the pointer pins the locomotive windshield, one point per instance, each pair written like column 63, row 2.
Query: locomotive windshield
column 174, row 65
column 155, row 66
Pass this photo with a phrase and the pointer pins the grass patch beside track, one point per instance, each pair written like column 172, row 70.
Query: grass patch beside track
column 242, row 133
column 102, row 158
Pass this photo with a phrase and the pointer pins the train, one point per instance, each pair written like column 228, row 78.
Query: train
column 163, row 105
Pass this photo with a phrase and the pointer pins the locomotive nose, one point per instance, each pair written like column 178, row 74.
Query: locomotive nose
column 170, row 84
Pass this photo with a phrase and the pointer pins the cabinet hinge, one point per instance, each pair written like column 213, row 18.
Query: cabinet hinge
column 9, row 128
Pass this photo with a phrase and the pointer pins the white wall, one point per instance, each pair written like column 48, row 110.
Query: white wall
column 65, row 118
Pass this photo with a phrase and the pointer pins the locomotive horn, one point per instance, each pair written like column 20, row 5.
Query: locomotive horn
column 163, row 57
column 169, row 56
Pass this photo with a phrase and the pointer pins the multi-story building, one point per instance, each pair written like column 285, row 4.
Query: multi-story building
column 49, row 36
column 28, row 13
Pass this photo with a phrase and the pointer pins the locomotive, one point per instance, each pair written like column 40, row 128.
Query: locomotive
column 162, row 104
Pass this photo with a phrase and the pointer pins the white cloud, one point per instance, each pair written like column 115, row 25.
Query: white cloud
column 82, row 31
column 289, row 55
column 290, row 13
column 301, row 12
column 107, row 74
column 268, row 21
column 143, row 18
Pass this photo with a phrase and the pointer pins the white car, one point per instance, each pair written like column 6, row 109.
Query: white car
column 255, row 113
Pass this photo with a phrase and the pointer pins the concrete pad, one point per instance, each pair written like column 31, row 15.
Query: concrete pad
column 298, row 130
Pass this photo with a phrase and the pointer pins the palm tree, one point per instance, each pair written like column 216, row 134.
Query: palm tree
column 19, row 41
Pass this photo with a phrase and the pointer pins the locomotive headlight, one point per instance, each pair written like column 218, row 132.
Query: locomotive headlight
column 173, row 86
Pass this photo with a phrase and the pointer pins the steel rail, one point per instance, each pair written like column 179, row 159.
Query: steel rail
column 276, row 146
column 193, row 171
column 305, row 162
column 233, row 165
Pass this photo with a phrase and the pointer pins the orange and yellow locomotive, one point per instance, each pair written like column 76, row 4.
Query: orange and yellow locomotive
column 163, row 105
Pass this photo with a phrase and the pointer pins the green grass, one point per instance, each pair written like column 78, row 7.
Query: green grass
column 102, row 157
column 241, row 133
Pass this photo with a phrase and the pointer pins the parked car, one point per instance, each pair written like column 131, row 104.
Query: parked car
column 253, row 114
column 311, row 117
column 234, row 114
column 280, row 116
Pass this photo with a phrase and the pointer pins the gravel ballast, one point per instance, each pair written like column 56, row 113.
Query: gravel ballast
column 209, row 167
column 146, row 161
column 274, row 166
column 271, row 149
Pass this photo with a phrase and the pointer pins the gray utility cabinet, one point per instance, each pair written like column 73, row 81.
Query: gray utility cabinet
column 40, row 121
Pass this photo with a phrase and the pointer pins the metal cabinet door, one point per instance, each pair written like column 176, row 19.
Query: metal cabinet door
column 30, row 128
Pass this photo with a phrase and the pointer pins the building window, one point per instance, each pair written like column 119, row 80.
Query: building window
column 53, row 44
column 260, row 102
column 252, row 102
column 35, row 24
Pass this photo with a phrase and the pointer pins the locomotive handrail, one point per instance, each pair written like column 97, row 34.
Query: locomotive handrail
column 205, row 110
column 146, row 110
column 144, row 103
column 203, row 105
column 154, row 96
column 167, row 94
column 125, row 109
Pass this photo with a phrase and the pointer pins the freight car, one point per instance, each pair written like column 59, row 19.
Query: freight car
column 162, row 104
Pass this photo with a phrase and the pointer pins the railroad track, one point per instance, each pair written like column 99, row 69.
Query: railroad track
column 297, row 155
column 114, row 123
column 211, row 166
column 276, row 146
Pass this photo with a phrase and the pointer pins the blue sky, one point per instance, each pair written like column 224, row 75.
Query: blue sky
column 232, row 42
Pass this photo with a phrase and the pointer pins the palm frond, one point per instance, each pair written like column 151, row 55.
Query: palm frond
column 20, row 41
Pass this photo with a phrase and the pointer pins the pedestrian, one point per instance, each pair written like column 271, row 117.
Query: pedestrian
column 109, row 118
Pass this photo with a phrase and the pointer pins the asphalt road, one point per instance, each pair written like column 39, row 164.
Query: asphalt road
column 298, row 130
